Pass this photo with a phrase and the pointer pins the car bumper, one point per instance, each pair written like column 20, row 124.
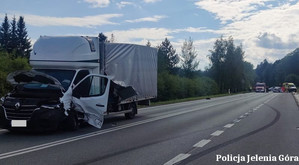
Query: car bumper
column 42, row 120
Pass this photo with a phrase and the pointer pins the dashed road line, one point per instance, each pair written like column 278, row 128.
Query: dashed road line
column 217, row 133
column 177, row 159
column 202, row 143
column 237, row 120
column 228, row 125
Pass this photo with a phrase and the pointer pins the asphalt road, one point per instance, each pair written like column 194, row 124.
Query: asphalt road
column 255, row 128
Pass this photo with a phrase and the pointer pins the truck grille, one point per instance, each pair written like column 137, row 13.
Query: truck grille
column 24, row 113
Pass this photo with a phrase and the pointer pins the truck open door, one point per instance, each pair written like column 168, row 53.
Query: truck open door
column 90, row 96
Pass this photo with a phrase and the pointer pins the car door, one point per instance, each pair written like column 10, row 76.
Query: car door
column 90, row 96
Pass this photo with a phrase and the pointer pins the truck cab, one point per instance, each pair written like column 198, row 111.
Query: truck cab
column 260, row 87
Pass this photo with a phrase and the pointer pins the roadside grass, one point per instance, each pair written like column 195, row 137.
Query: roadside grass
column 154, row 103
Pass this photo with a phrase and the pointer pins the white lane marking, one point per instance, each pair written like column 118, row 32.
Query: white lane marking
column 246, row 113
column 202, row 143
column 237, row 120
column 217, row 133
column 228, row 125
column 177, row 159
column 241, row 116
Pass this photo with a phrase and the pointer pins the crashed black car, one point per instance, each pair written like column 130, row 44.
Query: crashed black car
column 34, row 103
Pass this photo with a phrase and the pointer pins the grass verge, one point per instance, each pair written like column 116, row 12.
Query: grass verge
column 186, row 99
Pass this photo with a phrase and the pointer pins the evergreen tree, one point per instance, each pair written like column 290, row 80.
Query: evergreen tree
column 13, row 36
column 167, row 57
column 189, row 55
column 4, row 34
column 23, row 42
column 217, row 59
column 228, row 67
column 102, row 38
column 234, row 68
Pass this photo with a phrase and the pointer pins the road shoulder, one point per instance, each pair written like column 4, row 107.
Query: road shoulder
column 296, row 96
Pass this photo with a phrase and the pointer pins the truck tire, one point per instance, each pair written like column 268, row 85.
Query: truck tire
column 133, row 113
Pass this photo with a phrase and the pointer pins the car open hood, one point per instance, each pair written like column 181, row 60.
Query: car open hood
column 32, row 76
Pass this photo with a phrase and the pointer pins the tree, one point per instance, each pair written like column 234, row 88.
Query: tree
column 13, row 36
column 167, row 57
column 148, row 43
column 249, row 75
column 217, row 59
column 102, row 38
column 228, row 66
column 23, row 42
column 189, row 55
column 4, row 34
column 234, row 67
column 112, row 38
column 8, row 65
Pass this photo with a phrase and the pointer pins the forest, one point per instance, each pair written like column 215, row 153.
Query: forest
column 283, row 70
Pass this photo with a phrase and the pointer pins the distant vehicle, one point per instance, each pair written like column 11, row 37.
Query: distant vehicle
column 78, row 79
column 260, row 87
column 276, row 89
column 289, row 87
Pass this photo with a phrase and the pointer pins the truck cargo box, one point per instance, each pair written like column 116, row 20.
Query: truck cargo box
column 127, row 64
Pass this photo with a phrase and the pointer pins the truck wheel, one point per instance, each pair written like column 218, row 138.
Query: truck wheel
column 71, row 123
column 131, row 114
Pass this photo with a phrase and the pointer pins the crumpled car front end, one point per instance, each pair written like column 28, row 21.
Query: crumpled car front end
column 34, row 102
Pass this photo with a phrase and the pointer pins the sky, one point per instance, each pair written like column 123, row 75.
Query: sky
column 267, row 29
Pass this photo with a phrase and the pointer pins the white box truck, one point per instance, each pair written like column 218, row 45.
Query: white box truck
column 76, row 79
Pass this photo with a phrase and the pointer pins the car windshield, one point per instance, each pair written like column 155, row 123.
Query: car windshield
column 65, row 77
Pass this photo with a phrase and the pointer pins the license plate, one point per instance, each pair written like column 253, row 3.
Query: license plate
column 18, row 123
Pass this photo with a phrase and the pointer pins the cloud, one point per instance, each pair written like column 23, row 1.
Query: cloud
column 265, row 31
column 196, row 30
column 98, row 3
column 135, row 35
column 155, row 18
column 271, row 41
column 123, row 4
column 87, row 21
column 231, row 10
column 151, row 1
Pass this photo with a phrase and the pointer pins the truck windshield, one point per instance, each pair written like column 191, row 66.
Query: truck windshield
column 260, row 85
column 65, row 77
